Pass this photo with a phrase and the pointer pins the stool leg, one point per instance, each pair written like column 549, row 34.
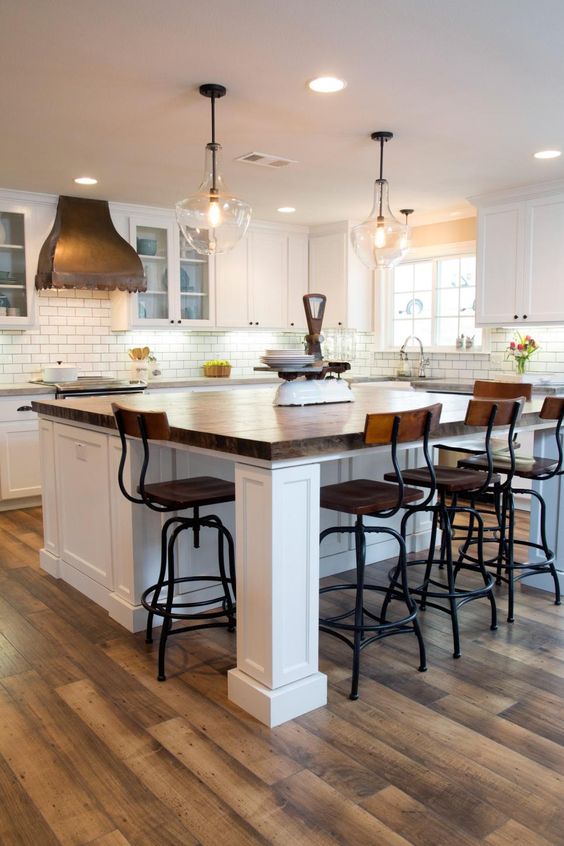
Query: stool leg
column 167, row 621
column 360, row 552
column 510, row 557
column 222, row 533
column 447, row 547
column 430, row 559
column 402, row 567
column 502, row 549
column 161, row 578
column 484, row 573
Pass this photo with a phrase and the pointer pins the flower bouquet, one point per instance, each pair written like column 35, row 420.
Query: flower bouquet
column 520, row 350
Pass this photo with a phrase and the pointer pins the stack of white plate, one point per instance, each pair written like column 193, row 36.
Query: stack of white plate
column 287, row 358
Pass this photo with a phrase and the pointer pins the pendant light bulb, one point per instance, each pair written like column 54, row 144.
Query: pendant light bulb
column 214, row 213
column 381, row 240
column 212, row 220
column 380, row 236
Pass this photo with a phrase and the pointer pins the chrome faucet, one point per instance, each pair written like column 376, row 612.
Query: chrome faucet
column 423, row 362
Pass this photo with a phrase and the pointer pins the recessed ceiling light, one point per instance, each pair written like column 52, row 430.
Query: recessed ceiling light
column 548, row 154
column 86, row 180
column 286, row 209
column 327, row 84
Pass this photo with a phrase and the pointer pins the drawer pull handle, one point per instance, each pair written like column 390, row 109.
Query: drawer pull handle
column 25, row 408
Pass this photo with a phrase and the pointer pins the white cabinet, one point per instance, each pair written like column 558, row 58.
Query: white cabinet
column 260, row 283
column 543, row 278
column 268, row 278
column 520, row 257
column 232, row 269
column 335, row 271
column 82, row 490
column 298, row 279
column 20, row 474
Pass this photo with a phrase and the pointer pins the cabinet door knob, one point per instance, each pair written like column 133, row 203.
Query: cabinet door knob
column 291, row 324
column 25, row 408
column 256, row 323
column 515, row 317
column 524, row 317
column 339, row 324
column 179, row 321
column 250, row 322
column 172, row 321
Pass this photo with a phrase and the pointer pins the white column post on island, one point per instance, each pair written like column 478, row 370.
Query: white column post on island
column 277, row 517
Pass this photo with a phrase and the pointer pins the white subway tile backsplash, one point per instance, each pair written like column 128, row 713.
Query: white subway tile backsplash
column 74, row 327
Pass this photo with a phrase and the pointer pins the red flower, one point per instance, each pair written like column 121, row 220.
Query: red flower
column 528, row 338
column 512, row 345
column 520, row 347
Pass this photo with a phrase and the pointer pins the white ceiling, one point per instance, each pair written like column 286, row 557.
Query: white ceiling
column 109, row 88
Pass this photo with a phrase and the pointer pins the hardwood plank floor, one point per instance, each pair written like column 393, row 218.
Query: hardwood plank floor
column 95, row 752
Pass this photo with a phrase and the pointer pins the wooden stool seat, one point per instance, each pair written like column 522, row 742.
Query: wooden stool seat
column 448, row 479
column 196, row 492
column 526, row 467
column 365, row 496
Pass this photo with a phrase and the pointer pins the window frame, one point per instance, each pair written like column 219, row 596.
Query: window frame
column 434, row 253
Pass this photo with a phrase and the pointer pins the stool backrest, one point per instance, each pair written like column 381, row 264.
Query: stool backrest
column 553, row 409
column 402, row 427
column 502, row 390
column 487, row 413
column 146, row 425
column 411, row 425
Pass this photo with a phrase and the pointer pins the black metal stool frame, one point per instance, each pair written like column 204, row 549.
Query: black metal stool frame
column 150, row 599
column 444, row 514
column 505, row 510
column 407, row 624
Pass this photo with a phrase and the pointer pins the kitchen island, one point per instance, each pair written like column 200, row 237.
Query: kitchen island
column 109, row 549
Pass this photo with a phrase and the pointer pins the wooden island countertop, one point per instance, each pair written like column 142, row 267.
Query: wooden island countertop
column 245, row 423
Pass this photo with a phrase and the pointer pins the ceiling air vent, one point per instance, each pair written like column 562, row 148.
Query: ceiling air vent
column 265, row 160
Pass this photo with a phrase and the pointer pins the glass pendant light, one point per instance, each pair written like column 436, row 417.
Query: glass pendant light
column 381, row 241
column 407, row 235
column 212, row 220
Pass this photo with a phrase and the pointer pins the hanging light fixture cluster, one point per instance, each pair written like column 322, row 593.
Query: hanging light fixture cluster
column 212, row 220
column 381, row 241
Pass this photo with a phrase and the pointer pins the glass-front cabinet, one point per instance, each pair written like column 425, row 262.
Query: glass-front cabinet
column 178, row 279
column 14, row 294
column 194, row 283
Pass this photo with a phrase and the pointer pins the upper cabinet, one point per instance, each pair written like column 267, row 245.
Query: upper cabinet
column 520, row 257
column 24, row 224
column 261, row 282
column 334, row 270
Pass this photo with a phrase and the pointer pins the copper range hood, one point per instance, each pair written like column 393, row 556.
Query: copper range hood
column 84, row 250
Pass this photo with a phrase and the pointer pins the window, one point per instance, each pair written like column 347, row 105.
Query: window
column 435, row 299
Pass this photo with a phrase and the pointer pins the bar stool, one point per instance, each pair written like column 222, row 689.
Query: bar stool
column 450, row 483
column 174, row 496
column 535, row 469
column 365, row 497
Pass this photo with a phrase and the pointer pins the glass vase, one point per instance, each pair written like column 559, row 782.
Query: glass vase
column 521, row 364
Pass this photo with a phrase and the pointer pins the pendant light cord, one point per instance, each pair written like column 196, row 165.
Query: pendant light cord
column 214, row 187
column 382, row 141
